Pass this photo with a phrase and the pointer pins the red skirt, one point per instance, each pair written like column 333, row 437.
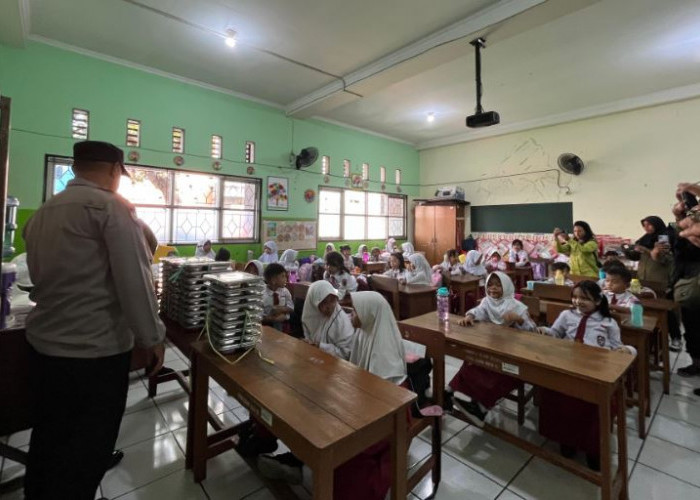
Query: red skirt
column 569, row 421
column 483, row 385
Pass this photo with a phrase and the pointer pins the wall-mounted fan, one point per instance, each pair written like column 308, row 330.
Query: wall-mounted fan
column 570, row 163
column 305, row 158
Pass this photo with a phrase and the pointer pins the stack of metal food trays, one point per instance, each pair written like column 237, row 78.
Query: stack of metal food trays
column 185, row 290
column 235, row 310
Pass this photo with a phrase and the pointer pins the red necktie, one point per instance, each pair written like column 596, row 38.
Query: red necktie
column 517, row 258
column 334, row 282
column 614, row 300
column 275, row 299
column 581, row 330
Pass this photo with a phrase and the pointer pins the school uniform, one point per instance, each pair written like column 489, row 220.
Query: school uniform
column 624, row 299
column 451, row 269
column 343, row 281
column 566, row 420
column 519, row 258
column 471, row 266
column 279, row 297
column 421, row 273
column 485, row 386
column 348, row 262
column 399, row 274
column 333, row 334
column 496, row 266
column 567, row 282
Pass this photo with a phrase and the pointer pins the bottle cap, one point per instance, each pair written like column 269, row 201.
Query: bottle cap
column 443, row 292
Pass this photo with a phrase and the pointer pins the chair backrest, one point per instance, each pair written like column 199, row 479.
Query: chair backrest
column 554, row 310
column 299, row 289
column 533, row 307
column 547, row 291
column 658, row 287
column 389, row 288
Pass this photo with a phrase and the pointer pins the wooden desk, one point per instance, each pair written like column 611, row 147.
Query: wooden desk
column 325, row 409
column 660, row 308
column 415, row 300
column 461, row 285
column 584, row 372
column 299, row 289
column 374, row 267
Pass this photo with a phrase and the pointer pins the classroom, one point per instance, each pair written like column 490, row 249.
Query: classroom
column 350, row 250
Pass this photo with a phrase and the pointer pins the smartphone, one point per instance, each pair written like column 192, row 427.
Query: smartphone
column 663, row 238
column 689, row 199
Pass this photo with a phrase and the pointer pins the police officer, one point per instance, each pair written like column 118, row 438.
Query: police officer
column 94, row 297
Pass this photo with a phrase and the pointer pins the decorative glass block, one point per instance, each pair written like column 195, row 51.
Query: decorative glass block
column 238, row 225
column 382, row 174
column 325, row 165
column 192, row 225
column 178, row 140
column 217, row 144
column 80, row 123
column 249, row 152
column 346, row 168
column 158, row 219
column 62, row 175
column 365, row 171
column 196, row 190
column 133, row 133
column 397, row 176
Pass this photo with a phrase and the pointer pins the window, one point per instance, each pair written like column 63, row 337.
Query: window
column 178, row 140
column 181, row 206
column 133, row 133
column 346, row 168
column 397, row 176
column 216, row 147
column 365, row 171
column 382, row 174
column 80, row 123
column 249, row 152
column 347, row 214
column 325, row 165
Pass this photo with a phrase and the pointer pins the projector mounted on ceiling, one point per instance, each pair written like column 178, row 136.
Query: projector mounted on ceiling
column 481, row 118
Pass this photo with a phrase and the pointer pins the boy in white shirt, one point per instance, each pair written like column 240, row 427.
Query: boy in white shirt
column 617, row 282
column 277, row 300
column 517, row 255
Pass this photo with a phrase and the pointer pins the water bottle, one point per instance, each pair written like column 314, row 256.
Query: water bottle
column 292, row 276
column 635, row 286
column 559, row 278
column 637, row 314
column 601, row 274
column 443, row 305
column 9, row 273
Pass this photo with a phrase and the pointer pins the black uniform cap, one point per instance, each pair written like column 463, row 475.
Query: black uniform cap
column 99, row 151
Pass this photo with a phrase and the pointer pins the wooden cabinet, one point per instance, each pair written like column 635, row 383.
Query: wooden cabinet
column 438, row 227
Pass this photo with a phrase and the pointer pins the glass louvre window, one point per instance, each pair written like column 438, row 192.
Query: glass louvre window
column 347, row 214
column 217, row 144
column 249, row 152
column 181, row 207
column 133, row 133
column 80, row 123
column 178, row 140
column 325, row 165
column 382, row 174
column 365, row 171
column 346, row 168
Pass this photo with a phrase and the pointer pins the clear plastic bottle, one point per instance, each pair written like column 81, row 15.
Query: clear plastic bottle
column 443, row 304
column 601, row 274
column 637, row 314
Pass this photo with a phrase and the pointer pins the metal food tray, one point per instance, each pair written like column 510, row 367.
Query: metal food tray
column 240, row 312
column 240, row 292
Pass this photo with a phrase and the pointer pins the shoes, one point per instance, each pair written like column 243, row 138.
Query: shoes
column 285, row 467
column 114, row 460
column 251, row 445
column 472, row 410
column 567, row 451
column 593, row 462
column 689, row 371
column 696, row 392
column 676, row 345
column 447, row 400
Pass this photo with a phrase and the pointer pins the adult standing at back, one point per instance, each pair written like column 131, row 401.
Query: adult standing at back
column 94, row 297
column 582, row 249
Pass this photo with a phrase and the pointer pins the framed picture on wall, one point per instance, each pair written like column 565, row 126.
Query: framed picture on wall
column 277, row 193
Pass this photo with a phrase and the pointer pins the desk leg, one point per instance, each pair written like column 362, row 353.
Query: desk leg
column 606, row 486
column 196, row 454
column 462, row 297
column 399, row 460
column 664, row 351
column 621, row 442
column 643, row 387
column 323, row 480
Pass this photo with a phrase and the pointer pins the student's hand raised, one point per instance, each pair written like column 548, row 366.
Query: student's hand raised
column 468, row 320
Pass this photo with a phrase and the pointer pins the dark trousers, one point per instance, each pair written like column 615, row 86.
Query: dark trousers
column 79, row 407
column 691, row 322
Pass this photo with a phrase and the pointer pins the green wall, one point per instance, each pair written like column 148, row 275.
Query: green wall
column 46, row 83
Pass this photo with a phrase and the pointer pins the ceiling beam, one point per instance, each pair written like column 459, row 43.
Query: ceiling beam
column 14, row 22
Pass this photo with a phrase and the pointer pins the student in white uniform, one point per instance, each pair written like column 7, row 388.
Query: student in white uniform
column 617, row 282
column 330, row 247
column 517, row 255
column 450, row 264
column 476, row 390
column 494, row 262
column 420, row 274
column 289, row 260
column 204, row 250
column 389, row 248
column 278, row 304
column 325, row 323
column 397, row 267
column 269, row 254
column 361, row 251
column 407, row 249
column 347, row 257
column 338, row 275
column 565, row 270
column 472, row 264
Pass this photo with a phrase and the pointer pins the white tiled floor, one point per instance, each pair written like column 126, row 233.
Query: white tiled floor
column 475, row 465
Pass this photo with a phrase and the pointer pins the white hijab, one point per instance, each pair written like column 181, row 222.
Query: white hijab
column 390, row 244
column 378, row 347
column 317, row 327
column 199, row 252
column 422, row 272
column 268, row 258
column 496, row 308
column 471, row 266
column 407, row 249
column 325, row 249
column 288, row 259
column 360, row 251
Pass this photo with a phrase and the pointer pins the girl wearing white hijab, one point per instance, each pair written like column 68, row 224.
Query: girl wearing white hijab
column 325, row 323
column 407, row 249
column 204, row 250
column 361, row 251
column 269, row 254
column 378, row 347
column 288, row 260
column 472, row 264
column 330, row 247
column 476, row 390
column 421, row 274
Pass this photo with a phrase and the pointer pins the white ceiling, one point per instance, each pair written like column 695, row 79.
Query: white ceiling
column 560, row 60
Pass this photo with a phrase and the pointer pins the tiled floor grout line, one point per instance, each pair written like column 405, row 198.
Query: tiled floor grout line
column 150, row 482
column 527, row 462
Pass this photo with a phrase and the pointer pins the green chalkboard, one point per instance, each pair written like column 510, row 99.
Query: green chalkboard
column 526, row 218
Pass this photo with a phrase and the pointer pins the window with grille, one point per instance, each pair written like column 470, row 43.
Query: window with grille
column 382, row 174
column 178, row 140
column 365, row 171
column 217, row 144
column 325, row 165
column 348, row 214
column 180, row 206
column 346, row 168
column 249, row 152
column 80, row 123
column 133, row 133
column 397, row 176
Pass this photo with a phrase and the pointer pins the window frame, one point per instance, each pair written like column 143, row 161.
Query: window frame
column 366, row 215
column 50, row 160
